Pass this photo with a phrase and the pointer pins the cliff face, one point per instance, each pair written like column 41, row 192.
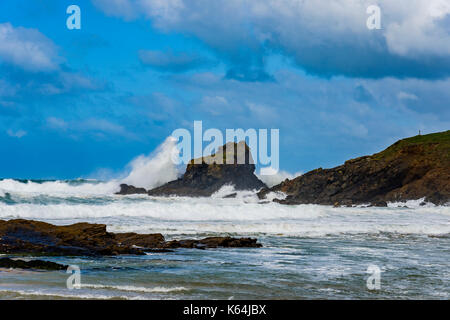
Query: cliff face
column 207, row 175
column 413, row 168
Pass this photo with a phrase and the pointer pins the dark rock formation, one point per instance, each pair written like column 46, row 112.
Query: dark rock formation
column 231, row 165
column 35, row 237
column 140, row 240
column 214, row 242
column 126, row 189
column 410, row 169
column 84, row 239
column 33, row 264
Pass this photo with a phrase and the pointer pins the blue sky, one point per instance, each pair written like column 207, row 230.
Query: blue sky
column 84, row 103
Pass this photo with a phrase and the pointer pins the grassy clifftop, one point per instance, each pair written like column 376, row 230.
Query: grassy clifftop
column 434, row 143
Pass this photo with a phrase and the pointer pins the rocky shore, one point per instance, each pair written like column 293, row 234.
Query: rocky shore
column 410, row 169
column 9, row 263
column 28, row 237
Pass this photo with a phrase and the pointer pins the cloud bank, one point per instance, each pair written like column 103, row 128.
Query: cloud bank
column 323, row 37
column 27, row 48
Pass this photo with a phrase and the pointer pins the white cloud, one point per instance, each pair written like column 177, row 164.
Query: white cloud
column 309, row 31
column 101, row 125
column 27, row 48
column 16, row 134
column 419, row 29
column 406, row 96
column 117, row 8
column 91, row 126
column 56, row 123
column 215, row 105
column 262, row 112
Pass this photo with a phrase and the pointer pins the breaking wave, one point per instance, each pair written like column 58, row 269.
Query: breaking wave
column 144, row 171
column 58, row 188
column 240, row 215
column 156, row 169
column 60, row 295
column 135, row 289
column 227, row 212
column 271, row 177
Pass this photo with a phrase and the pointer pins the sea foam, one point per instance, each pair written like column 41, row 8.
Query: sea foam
column 240, row 216
column 135, row 289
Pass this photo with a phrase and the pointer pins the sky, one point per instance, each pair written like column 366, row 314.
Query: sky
column 84, row 103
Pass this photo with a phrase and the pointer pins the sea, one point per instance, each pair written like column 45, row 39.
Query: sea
column 308, row 251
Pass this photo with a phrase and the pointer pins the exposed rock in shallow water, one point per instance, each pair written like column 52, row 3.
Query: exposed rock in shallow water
column 84, row 239
column 140, row 240
column 35, row 237
column 231, row 165
column 410, row 169
column 214, row 242
column 126, row 189
column 33, row 264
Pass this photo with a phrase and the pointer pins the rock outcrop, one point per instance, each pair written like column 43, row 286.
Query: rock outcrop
column 214, row 242
column 413, row 168
column 84, row 239
column 231, row 165
column 35, row 237
column 126, row 189
column 9, row 263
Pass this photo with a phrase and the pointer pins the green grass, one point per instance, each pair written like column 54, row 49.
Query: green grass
column 441, row 139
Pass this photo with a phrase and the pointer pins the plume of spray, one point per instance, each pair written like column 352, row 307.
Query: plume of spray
column 155, row 169
column 271, row 177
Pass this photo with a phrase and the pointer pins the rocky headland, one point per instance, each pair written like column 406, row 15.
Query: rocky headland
column 231, row 165
column 410, row 169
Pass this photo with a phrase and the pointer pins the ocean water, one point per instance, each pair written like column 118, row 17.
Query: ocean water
column 309, row 251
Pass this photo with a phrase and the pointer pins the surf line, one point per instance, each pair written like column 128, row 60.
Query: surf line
column 211, row 311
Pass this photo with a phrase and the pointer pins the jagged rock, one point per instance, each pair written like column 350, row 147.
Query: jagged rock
column 206, row 175
column 33, row 264
column 413, row 168
column 35, row 237
column 84, row 239
column 214, row 242
column 140, row 240
column 126, row 189
column 230, row 196
column 380, row 203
